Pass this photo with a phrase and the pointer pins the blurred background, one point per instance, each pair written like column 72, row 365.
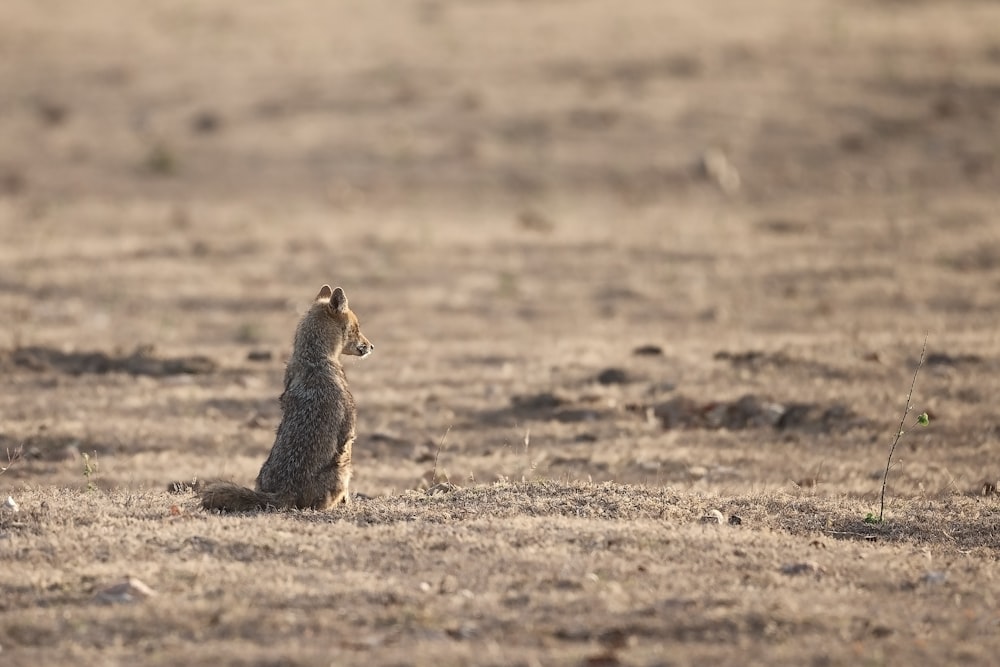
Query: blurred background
column 516, row 196
column 431, row 102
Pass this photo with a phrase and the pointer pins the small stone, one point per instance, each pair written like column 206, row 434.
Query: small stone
column 714, row 516
column 603, row 659
column 260, row 355
column 11, row 505
column 535, row 221
column 735, row 520
column 678, row 412
column 257, row 421
column 715, row 166
column 130, row 590
column 205, row 122
column 543, row 401
column 612, row 376
column 697, row 472
column 616, row 638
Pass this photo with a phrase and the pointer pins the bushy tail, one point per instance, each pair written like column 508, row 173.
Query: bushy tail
column 230, row 497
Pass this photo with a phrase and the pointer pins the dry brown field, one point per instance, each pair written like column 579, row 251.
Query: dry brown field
column 629, row 268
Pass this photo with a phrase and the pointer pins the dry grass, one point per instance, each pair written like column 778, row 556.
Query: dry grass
column 499, row 574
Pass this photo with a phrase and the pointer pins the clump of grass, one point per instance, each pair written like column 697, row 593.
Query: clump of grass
column 248, row 332
column 160, row 160
column 922, row 420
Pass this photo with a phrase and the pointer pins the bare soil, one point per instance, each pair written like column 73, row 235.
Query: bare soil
column 628, row 270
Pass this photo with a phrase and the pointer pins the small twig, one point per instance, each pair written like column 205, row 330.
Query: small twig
column 89, row 470
column 437, row 453
column 531, row 464
column 900, row 431
column 12, row 458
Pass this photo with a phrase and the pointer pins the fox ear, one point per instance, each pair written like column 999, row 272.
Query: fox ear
column 338, row 301
column 324, row 293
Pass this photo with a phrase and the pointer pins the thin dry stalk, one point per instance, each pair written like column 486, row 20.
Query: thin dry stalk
column 437, row 454
column 900, row 431
column 12, row 458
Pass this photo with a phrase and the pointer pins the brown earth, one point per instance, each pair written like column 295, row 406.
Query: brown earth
column 623, row 266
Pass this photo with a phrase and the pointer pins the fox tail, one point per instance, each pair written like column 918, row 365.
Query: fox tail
column 230, row 497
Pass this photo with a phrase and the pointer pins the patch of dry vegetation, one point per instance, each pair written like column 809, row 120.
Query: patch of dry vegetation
column 497, row 574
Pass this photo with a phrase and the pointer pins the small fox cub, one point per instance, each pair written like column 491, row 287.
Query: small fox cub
column 310, row 463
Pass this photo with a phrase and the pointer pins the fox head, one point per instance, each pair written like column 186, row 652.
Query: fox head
column 334, row 303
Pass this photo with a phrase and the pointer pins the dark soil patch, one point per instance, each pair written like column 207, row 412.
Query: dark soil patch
column 752, row 411
column 757, row 360
column 45, row 447
column 140, row 362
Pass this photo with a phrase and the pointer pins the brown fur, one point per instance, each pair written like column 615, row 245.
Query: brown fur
column 310, row 463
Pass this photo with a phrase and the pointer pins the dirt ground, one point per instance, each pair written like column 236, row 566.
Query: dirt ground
column 623, row 267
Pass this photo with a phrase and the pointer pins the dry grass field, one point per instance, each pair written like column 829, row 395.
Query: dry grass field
column 629, row 270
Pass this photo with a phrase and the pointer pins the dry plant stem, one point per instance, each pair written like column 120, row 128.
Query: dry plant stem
column 12, row 458
column 899, row 431
column 437, row 453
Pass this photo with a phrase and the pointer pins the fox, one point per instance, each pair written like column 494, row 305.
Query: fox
column 309, row 466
